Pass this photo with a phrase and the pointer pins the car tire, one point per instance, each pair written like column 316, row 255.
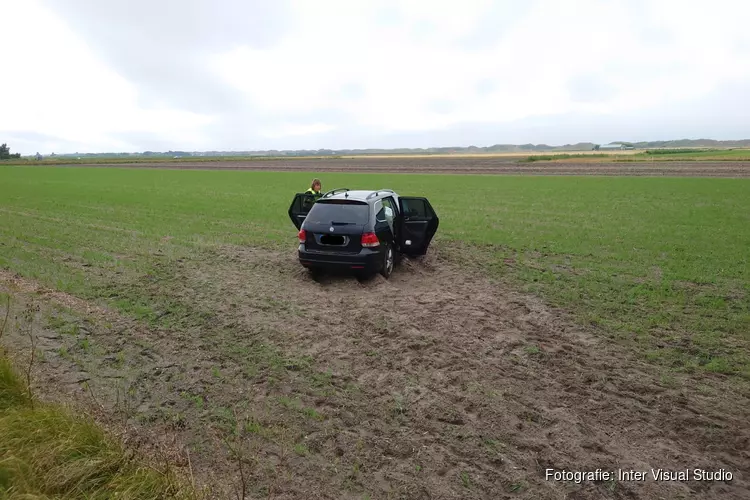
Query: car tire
column 389, row 259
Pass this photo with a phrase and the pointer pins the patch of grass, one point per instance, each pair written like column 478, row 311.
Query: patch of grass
column 668, row 380
column 293, row 403
column 296, row 404
column 718, row 365
column 55, row 322
column 224, row 417
column 84, row 344
column 254, row 426
column 399, row 404
column 492, row 446
column 264, row 359
column 46, row 452
column 515, row 487
column 465, row 479
column 322, row 383
column 13, row 392
column 532, row 349
column 196, row 399
column 313, row 413
column 322, row 379
column 612, row 485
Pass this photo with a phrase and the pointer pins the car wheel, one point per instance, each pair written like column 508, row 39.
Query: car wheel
column 388, row 261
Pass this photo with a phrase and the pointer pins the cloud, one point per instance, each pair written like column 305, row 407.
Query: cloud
column 29, row 141
column 60, row 89
column 164, row 48
column 497, row 19
column 441, row 106
column 295, row 129
column 590, row 88
column 232, row 74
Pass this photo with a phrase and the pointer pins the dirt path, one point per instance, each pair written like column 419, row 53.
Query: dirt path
column 434, row 384
column 463, row 165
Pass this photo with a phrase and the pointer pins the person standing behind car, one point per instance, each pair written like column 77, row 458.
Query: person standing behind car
column 314, row 193
column 315, row 188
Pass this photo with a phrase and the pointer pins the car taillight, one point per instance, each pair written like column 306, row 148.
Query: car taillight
column 302, row 236
column 370, row 240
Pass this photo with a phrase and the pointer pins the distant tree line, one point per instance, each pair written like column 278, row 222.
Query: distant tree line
column 5, row 153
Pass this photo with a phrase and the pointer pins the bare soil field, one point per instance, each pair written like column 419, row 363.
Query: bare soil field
column 465, row 165
column 437, row 383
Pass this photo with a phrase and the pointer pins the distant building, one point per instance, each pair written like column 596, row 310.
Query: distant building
column 38, row 157
column 609, row 147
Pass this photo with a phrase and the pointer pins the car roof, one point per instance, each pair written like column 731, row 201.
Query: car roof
column 360, row 195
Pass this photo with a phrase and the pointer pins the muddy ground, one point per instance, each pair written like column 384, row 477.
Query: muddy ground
column 452, row 165
column 437, row 383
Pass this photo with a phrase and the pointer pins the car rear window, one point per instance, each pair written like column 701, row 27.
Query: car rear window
column 343, row 211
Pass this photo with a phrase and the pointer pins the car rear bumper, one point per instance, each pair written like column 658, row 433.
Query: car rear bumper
column 367, row 260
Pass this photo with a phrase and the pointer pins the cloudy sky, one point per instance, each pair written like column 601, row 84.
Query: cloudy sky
column 134, row 75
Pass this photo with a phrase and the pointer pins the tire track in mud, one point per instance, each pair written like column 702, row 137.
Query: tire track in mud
column 437, row 384
column 488, row 364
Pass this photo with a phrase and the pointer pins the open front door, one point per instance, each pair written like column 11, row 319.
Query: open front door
column 417, row 224
column 300, row 207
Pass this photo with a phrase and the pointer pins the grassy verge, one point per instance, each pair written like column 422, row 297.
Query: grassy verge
column 660, row 264
column 48, row 452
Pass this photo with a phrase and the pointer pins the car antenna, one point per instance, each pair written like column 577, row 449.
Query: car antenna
column 346, row 195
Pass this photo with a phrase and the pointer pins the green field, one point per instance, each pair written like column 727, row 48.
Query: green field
column 698, row 154
column 660, row 264
column 687, row 155
column 651, row 155
column 128, row 159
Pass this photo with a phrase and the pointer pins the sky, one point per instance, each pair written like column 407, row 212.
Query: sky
column 194, row 75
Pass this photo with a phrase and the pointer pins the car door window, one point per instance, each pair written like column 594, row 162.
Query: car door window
column 415, row 208
column 389, row 212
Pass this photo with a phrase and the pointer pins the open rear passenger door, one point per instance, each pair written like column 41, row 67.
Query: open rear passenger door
column 300, row 207
column 417, row 224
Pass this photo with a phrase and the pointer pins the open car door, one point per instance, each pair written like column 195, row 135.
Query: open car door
column 300, row 207
column 417, row 224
